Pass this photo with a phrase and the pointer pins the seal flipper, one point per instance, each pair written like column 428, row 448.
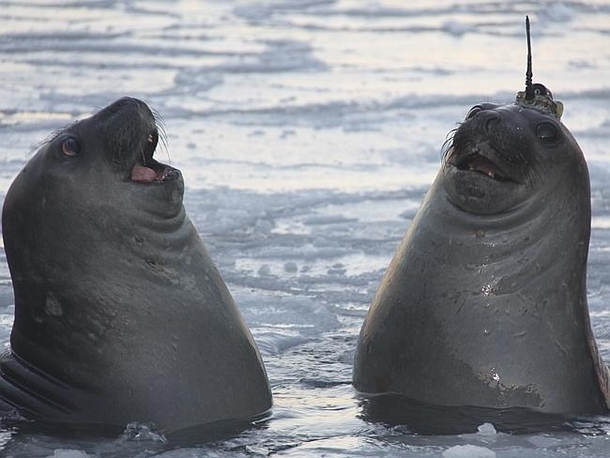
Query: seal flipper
column 51, row 400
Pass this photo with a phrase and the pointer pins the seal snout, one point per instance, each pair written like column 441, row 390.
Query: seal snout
column 468, row 154
column 479, row 163
column 478, row 145
column 132, row 135
column 146, row 169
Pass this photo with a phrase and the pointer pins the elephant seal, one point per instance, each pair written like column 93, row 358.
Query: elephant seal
column 120, row 314
column 484, row 303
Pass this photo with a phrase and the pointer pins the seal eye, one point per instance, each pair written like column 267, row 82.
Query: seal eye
column 547, row 132
column 70, row 147
column 473, row 111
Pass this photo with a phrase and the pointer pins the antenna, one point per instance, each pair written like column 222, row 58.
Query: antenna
column 529, row 90
column 536, row 96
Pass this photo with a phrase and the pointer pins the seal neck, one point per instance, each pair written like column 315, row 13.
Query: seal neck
column 561, row 223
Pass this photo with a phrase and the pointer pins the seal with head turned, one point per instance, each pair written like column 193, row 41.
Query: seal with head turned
column 485, row 302
column 120, row 314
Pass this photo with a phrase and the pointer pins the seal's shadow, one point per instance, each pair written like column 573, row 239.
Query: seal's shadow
column 430, row 419
column 131, row 439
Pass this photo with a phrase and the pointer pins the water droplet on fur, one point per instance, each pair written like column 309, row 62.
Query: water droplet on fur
column 52, row 306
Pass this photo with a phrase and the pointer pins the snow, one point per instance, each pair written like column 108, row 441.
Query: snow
column 468, row 451
column 65, row 453
column 307, row 131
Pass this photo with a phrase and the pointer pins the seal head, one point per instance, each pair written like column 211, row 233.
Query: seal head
column 510, row 148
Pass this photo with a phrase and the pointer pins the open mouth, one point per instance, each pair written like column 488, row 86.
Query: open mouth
column 147, row 169
column 476, row 162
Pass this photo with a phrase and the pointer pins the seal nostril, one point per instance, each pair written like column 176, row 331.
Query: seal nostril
column 491, row 122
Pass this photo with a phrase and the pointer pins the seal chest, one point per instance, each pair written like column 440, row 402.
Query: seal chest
column 120, row 314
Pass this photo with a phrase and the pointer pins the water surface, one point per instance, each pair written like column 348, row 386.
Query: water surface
column 308, row 132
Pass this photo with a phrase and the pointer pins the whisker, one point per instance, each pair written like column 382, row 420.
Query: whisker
column 161, row 127
column 448, row 143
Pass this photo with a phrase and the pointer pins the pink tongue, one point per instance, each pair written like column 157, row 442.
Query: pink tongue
column 144, row 174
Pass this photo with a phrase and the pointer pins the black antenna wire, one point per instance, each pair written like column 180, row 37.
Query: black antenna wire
column 529, row 89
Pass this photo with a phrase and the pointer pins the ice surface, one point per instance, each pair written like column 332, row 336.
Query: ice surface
column 468, row 451
column 307, row 131
column 66, row 453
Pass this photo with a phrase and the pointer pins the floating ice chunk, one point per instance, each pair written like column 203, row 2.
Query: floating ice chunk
column 319, row 249
column 487, row 429
column 67, row 453
column 347, row 357
column 274, row 343
column 299, row 314
column 291, row 267
column 337, row 269
column 545, row 441
column 327, row 219
column 264, row 270
column 140, row 432
column 228, row 219
column 468, row 451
